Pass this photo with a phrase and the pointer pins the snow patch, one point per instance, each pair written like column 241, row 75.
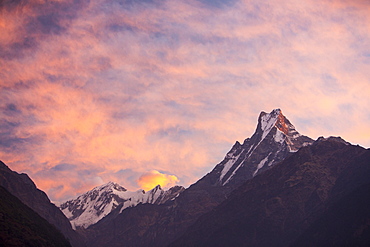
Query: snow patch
column 279, row 136
column 260, row 165
column 268, row 122
column 233, row 173
column 67, row 213
column 249, row 153
column 227, row 166
column 296, row 135
column 306, row 144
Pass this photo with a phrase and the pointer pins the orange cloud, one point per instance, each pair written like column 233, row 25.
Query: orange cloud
column 128, row 89
column 149, row 180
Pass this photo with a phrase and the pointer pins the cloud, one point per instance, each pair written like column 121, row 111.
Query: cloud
column 116, row 89
column 149, row 180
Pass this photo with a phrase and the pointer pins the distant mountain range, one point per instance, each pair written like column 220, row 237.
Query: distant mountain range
column 275, row 139
column 89, row 208
column 277, row 188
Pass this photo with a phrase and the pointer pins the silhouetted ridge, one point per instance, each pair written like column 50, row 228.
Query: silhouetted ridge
column 275, row 139
column 21, row 226
column 298, row 202
column 21, row 186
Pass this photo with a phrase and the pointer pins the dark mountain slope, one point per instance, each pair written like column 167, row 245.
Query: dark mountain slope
column 21, row 186
column 345, row 223
column 21, row 226
column 281, row 204
column 275, row 138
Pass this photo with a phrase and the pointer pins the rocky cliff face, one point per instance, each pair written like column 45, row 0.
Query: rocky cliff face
column 275, row 139
column 21, row 186
column 295, row 202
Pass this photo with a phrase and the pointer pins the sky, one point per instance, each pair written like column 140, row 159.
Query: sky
column 158, row 91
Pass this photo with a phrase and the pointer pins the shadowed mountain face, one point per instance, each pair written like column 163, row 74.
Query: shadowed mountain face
column 275, row 139
column 345, row 223
column 21, row 186
column 21, row 226
column 278, row 188
column 318, row 196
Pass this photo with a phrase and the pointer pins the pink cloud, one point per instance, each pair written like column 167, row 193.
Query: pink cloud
column 122, row 90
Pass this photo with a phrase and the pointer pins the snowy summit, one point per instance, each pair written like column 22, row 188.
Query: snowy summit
column 275, row 137
column 92, row 206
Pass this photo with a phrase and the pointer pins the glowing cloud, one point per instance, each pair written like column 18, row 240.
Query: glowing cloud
column 149, row 180
column 94, row 91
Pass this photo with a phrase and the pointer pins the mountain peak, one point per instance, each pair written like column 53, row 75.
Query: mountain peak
column 158, row 187
column 333, row 139
column 285, row 131
column 275, row 118
column 267, row 121
column 318, row 196
column 275, row 137
column 274, row 112
column 110, row 186
column 92, row 206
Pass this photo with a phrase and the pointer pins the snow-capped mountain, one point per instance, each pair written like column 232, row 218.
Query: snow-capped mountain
column 274, row 139
column 319, row 196
column 92, row 206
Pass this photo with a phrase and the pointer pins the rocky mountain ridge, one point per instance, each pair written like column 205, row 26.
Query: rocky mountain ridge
column 21, row 186
column 277, row 188
column 92, row 206
column 274, row 140
column 21, row 226
column 316, row 197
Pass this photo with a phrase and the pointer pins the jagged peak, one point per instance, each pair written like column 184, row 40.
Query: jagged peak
column 276, row 118
column 267, row 121
column 283, row 124
column 273, row 114
column 233, row 150
column 333, row 138
column 109, row 187
column 282, row 137
column 176, row 187
column 158, row 187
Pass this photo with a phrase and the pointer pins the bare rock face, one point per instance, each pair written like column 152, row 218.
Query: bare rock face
column 275, row 139
column 21, row 186
column 318, row 196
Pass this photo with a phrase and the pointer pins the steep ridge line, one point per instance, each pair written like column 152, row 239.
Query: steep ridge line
column 158, row 225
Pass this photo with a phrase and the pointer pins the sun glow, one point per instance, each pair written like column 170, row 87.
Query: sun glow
column 149, row 180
